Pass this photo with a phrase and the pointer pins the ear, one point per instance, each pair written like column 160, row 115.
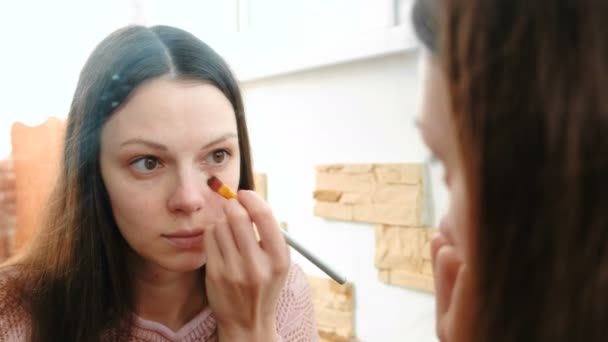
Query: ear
column 454, row 293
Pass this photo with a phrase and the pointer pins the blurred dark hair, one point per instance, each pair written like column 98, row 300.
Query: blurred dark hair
column 527, row 81
column 424, row 19
column 73, row 280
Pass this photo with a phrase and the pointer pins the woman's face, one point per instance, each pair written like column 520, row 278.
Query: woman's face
column 452, row 248
column 439, row 133
column 157, row 152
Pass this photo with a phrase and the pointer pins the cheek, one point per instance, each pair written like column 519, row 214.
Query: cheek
column 132, row 207
column 140, row 218
column 130, row 203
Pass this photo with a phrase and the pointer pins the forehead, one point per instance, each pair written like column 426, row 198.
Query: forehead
column 162, row 106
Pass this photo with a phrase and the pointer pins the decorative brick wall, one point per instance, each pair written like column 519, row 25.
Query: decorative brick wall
column 373, row 193
column 334, row 310
column 403, row 256
column 391, row 196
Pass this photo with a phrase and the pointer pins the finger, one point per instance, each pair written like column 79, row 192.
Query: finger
column 446, row 227
column 437, row 242
column 242, row 228
column 447, row 265
column 458, row 321
column 226, row 244
column 267, row 226
column 214, row 255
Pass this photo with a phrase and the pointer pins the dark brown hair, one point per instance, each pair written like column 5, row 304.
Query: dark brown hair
column 528, row 81
column 73, row 280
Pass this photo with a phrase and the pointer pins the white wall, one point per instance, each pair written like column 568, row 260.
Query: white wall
column 44, row 46
column 350, row 113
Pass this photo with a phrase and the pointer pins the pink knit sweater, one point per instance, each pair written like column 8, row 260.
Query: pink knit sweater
column 295, row 320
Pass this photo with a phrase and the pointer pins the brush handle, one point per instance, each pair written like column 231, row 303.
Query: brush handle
column 225, row 191
column 312, row 258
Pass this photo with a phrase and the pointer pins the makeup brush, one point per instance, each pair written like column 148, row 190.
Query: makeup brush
column 225, row 191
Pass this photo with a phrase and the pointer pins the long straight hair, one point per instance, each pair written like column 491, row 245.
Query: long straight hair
column 72, row 280
column 528, row 81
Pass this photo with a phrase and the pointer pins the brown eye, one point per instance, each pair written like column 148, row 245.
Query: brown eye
column 150, row 163
column 217, row 157
column 146, row 164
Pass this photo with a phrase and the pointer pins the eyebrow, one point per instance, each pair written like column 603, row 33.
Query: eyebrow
column 162, row 147
column 220, row 139
column 139, row 141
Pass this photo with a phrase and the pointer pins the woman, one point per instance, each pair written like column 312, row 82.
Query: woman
column 136, row 246
column 515, row 109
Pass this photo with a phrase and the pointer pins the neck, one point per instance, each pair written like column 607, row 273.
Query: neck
column 169, row 298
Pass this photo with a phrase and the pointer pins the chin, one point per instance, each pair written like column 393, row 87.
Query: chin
column 185, row 263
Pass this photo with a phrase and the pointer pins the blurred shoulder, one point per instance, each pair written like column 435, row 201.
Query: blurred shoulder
column 295, row 312
column 297, row 281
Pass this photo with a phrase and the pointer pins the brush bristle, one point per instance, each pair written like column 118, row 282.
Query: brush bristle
column 214, row 183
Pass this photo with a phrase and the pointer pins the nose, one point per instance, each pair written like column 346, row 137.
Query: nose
column 188, row 195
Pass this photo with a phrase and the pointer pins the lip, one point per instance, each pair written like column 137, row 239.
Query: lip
column 185, row 239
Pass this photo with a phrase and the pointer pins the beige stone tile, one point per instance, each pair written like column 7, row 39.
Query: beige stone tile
column 337, row 211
